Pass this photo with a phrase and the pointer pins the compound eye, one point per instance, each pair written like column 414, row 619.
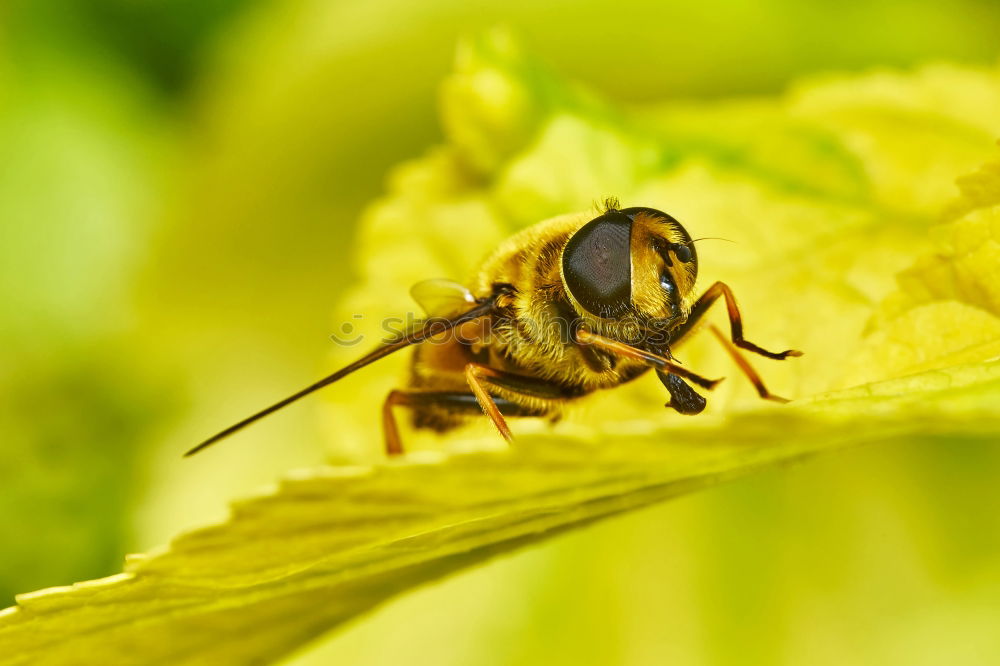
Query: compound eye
column 682, row 252
column 597, row 265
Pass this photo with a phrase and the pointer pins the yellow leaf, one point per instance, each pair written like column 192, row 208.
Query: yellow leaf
column 947, row 307
column 330, row 544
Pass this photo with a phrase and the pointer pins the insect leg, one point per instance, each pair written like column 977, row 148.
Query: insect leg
column 453, row 400
column 585, row 337
column 735, row 322
column 393, row 444
column 745, row 366
column 683, row 398
column 481, row 376
column 475, row 374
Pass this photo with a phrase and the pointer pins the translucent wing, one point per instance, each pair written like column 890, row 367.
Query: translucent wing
column 442, row 298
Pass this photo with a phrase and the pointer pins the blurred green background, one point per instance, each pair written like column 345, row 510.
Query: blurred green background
column 179, row 183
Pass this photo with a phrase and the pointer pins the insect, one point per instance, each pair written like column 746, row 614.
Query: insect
column 564, row 308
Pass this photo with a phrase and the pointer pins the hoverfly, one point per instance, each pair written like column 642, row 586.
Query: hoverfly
column 563, row 308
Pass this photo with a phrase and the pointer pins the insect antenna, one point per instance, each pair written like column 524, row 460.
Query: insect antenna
column 430, row 327
column 695, row 240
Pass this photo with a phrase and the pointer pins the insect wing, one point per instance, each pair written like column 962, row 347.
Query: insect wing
column 442, row 298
